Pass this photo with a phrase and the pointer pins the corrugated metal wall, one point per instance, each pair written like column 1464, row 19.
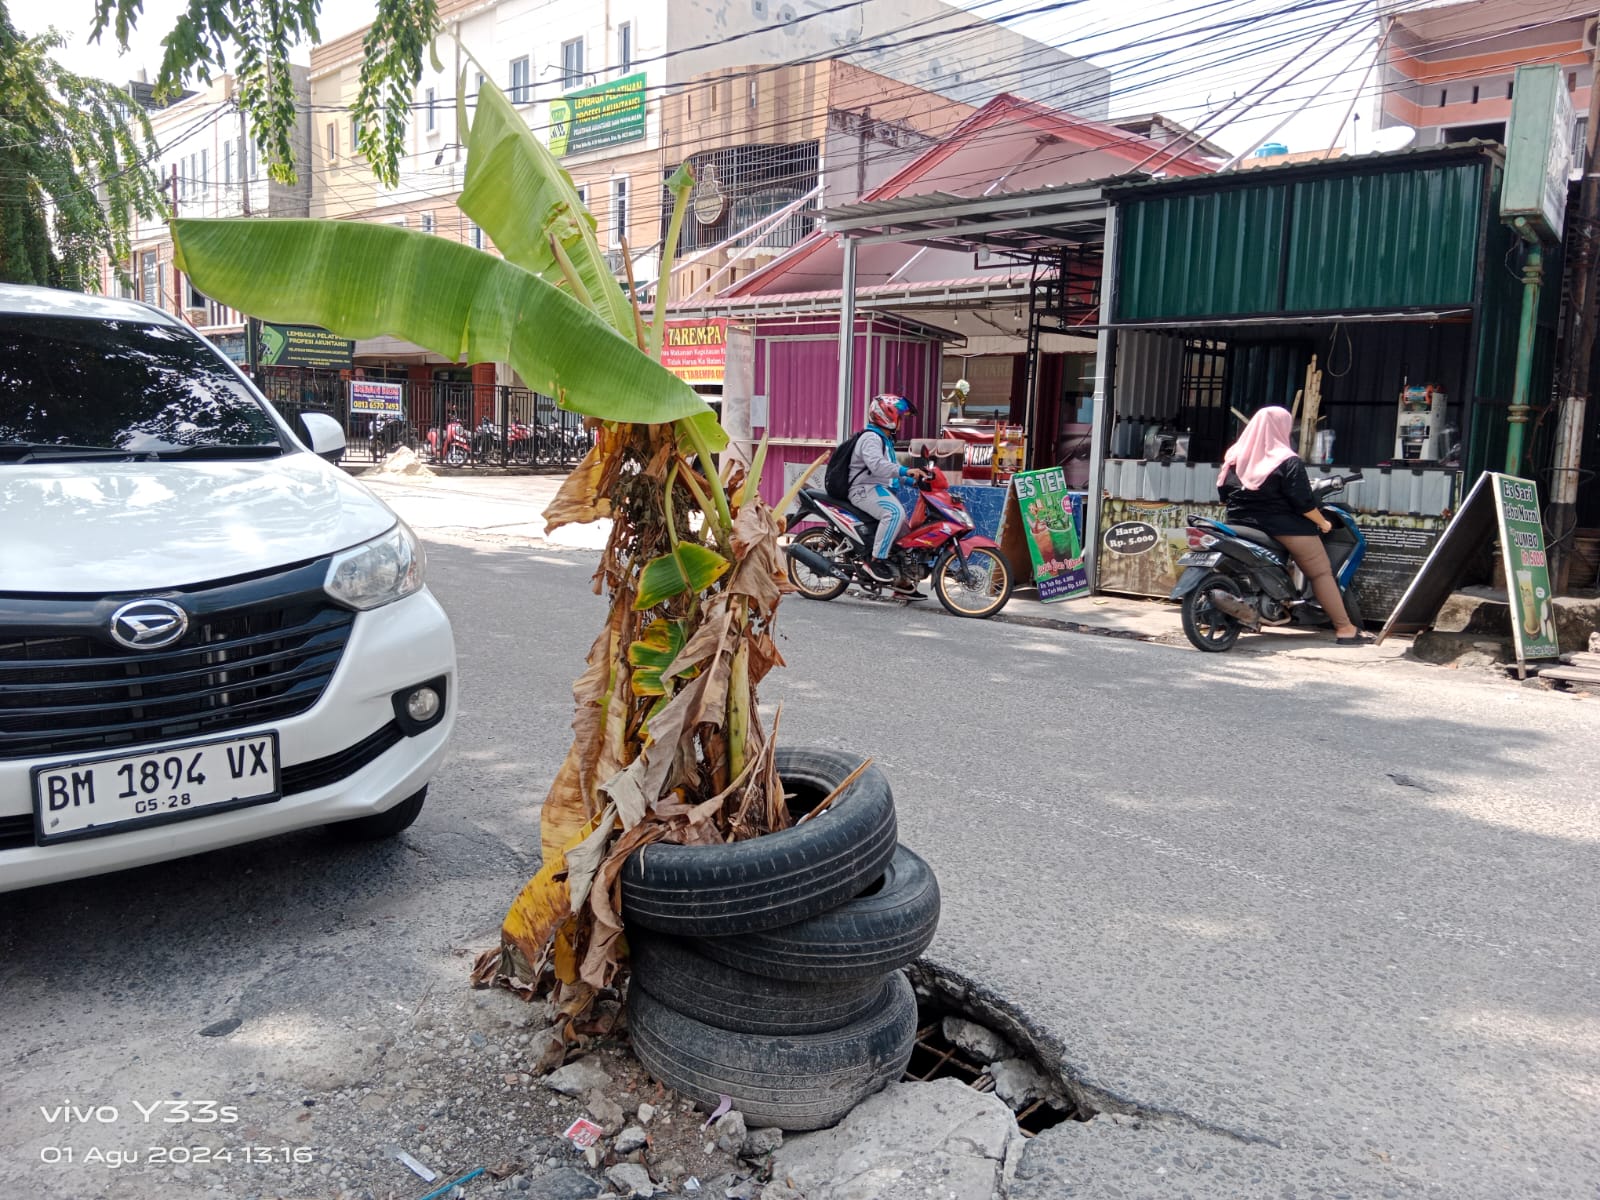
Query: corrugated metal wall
column 1397, row 237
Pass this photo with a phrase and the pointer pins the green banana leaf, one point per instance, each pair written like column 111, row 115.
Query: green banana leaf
column 361, row 280
column 689, row 568
column 519, row 195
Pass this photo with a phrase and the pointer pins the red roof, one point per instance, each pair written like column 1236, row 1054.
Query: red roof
column 1004, row 110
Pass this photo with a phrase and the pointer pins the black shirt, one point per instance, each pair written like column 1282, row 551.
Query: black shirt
column 1277, row 506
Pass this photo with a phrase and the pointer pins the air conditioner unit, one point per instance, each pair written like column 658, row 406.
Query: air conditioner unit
column 1591, row 28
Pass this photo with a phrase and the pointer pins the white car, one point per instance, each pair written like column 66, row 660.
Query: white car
column 208, row 634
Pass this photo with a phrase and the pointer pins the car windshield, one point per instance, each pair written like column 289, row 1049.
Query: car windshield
column 77, row 388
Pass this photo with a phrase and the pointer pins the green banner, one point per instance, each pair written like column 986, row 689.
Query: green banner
column 1533, row 622
column 595, row 117
column 1046, row 510
column 304, row 346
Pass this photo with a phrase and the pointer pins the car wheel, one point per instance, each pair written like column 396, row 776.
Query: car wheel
column 879, row 931
column 670, row 970
column 380, row 825
column 808, row 1081
column 778, row 878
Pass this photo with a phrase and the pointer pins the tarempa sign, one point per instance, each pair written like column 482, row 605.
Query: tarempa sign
column 697, row 351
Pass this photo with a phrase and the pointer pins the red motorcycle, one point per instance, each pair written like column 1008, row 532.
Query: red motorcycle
column 970, row 575
column 452, row 446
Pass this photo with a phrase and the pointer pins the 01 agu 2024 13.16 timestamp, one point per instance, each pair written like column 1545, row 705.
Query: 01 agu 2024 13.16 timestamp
column 278, row 1155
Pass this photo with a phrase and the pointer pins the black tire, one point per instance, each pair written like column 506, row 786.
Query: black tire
column 809, row 1081
column 807, row 582
column 879, row 931
column 1352, row 607
column 380, row 825
column 456, row 455
column 958, row 590
column 723, row 997
column 778, row 879
column 1207, row 627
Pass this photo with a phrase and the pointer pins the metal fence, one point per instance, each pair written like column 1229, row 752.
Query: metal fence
column 446, row 424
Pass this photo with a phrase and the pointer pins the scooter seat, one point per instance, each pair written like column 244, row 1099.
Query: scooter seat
column 860, row 515
column 1265, row 540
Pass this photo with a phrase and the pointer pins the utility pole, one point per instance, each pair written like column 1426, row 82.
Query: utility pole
column 244, row 163
column 1582, row 327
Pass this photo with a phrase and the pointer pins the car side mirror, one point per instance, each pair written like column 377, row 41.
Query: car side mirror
column 323, row 435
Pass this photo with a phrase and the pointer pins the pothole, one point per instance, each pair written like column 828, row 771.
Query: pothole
column 985, row 1044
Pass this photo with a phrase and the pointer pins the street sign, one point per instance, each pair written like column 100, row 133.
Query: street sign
column 1538, row 151
column 1045, row 506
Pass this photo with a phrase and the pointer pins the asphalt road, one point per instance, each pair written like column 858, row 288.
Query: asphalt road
column 1334, row 925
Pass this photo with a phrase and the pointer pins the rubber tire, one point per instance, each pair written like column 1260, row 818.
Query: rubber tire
column 380, row 825
column 722, row 997
column 815, row 539
column 796, row 1083
column 938, row 581
column 1352, row 608
column 1191, row 625
column 879, row 931
column 779, row 878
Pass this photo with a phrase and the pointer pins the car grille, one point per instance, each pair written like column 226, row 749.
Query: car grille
column 255, row 652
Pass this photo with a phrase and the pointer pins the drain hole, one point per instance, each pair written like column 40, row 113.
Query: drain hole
column 953, row 1044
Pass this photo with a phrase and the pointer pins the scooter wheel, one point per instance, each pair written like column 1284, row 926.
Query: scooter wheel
column 806, row 581
column 1204, row 624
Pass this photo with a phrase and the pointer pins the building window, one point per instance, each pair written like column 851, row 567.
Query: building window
column 149, row 278
column 521, row 81
column 427, row 222
column 583, row 194
column 227, row 162
column 1444, row 97
column 572, row 63
column 255, row 164
column 333, row 141
column 355, row 137
column 475, row 234
column 625, row 47
column 1474, row 93
column 194, row 175
column 755, row 89
column 619, row 210
column 205, row 168
column 431, row 118
column 478, row 90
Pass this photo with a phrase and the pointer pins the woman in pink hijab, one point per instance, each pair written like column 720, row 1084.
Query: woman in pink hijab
column 1265, row 486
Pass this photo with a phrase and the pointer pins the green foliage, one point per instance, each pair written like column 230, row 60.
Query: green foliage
column 689, row 568
column 74, row 155
column 257, row 35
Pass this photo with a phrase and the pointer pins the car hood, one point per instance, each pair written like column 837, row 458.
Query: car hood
column 97, row 527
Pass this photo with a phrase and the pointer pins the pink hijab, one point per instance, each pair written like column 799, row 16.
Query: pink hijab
column 1262, row 446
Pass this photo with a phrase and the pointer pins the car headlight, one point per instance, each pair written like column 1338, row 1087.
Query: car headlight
column 379, row 572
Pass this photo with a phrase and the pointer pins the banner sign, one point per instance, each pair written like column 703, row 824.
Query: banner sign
column 304, row 346
column 1516, row 503
column 372, row 396
column 1052, row 536
column 697, row 351
column 595, row 117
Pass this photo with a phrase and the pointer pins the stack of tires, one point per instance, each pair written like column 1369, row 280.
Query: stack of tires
column 768, row 970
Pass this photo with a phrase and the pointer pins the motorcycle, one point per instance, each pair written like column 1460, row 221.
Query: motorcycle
column 970, row 575
column 386, row 434
column 450, row 447
column 486, row 441
column 519, row 442
column 1237, row 578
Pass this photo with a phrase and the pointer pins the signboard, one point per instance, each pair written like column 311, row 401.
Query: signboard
column 596, row 117
column 1394, row 556
column 1538, row 151
column 1051, row 534
column 1533, row 627
column 1499, row 507
column 304, row 346
column 372, row 396
column 697, row 351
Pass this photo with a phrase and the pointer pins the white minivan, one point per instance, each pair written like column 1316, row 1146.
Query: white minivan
column 208, row 633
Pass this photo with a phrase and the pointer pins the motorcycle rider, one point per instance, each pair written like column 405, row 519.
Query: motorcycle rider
column 874, row 470
column 1264, row 485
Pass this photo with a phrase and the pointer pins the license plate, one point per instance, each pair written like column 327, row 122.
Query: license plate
column 1196, row 558
column 95, row 796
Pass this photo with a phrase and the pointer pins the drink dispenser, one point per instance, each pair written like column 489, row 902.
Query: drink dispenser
column 1419, row 434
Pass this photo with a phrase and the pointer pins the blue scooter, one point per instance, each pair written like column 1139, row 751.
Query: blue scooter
column 1237, row 578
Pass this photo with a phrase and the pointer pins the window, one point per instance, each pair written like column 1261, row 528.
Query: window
column 1444, row 97
column 431, row 119
column 333, row 141
column 572, row 63
column 355, row 136
column 255, row 165
column 149, row 278
column 205, row 168
column 227, row 161
column 475, row 234
column 194, row 175
column 427, row 222
column 193, row 297
column 1474, row 93
column 755, row 89
column 619, row 210
column 625, row 47
column 482, row 79
column 583, row 194
column 521, row 81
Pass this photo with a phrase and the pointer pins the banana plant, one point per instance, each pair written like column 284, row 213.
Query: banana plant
column 668, row 742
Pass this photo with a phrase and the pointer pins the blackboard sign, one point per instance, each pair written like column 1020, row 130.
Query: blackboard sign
column 1394, row 556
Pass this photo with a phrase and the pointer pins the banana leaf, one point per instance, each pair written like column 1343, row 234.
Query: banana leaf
column 519, row 195
column 361, row 280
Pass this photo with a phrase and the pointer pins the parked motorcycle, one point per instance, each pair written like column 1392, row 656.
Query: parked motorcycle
column 486, row 441
column 970, row 575
column 520, row 438
column 387, row 433
column 1237, row 578
column 451, row 446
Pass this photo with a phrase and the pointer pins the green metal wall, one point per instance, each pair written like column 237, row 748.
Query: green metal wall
column 1395, row 238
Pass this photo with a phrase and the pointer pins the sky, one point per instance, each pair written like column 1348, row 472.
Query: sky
column 1214, row 51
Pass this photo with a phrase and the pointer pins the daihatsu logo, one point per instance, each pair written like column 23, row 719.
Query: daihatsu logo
column 149, row 624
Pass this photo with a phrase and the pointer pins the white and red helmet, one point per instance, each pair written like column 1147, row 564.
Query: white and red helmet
column 886, row 410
